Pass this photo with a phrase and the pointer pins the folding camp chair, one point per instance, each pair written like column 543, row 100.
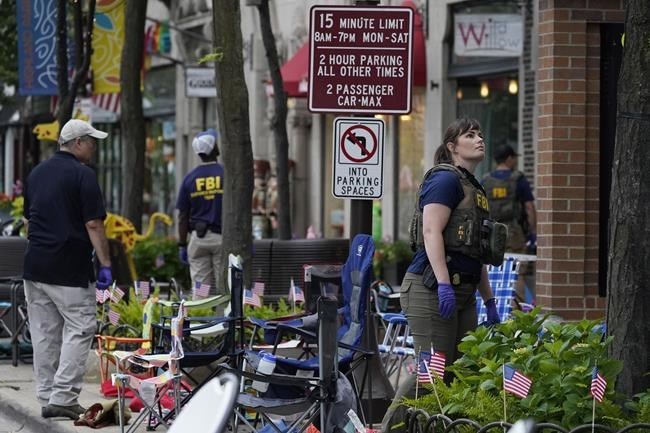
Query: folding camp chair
column 151, row 390
column 397, row 346
column 207, row 351
column 288, row 394
column 210, row 409
column 502, row 280
column 356, row 335
column 14, row 322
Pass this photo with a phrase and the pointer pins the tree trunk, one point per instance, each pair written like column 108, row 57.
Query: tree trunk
column 628, row 312
column 234, row 129
column 278, row 123
column 67, row 90
column 132, row 117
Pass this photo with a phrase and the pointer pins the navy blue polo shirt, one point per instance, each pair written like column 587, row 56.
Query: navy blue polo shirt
column 61, row 196
column 201, row 195
column 443, row 187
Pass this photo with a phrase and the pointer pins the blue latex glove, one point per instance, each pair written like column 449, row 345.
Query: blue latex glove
column 492, row 315
column 104, row 277
column 446, row 300
column 182, row 255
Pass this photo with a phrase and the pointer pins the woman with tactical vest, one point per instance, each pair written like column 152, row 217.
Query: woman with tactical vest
column 454, row 238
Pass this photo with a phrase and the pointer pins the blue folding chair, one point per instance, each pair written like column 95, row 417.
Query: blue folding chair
column 352, row 348
column 502, row 280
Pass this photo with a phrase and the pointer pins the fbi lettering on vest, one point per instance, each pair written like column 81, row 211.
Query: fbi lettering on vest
column 358, row 149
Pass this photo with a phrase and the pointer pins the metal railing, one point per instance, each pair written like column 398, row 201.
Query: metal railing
column 419, row 421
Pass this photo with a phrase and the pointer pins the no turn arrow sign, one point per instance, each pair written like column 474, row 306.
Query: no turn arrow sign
column 358, row 158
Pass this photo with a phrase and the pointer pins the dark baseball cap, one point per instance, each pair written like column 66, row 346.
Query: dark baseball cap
column 502, row 152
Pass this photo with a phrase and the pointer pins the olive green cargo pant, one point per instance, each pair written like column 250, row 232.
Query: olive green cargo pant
column 420, row 305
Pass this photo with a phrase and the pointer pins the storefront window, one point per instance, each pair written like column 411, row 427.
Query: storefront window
column 109, row 168
column 412, row 165
column 334, row 221
column 493, row 101
column 159, row 184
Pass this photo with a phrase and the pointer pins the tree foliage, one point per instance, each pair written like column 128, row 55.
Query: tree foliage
column 8, row 45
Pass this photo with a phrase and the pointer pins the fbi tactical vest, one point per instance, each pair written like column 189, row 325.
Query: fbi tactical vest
column 469, row 230
column 502, row 195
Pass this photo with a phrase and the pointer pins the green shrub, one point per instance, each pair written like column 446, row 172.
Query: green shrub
column 157, row 257
column 558, row 357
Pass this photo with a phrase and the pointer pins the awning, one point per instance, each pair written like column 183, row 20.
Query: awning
column 419, row 47
column 295, row 72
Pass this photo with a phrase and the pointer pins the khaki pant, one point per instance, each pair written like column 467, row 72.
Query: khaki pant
column 204, row 256
column 430, row 330
column 62, row 324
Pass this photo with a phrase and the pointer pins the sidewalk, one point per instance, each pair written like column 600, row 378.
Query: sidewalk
column 20, row 412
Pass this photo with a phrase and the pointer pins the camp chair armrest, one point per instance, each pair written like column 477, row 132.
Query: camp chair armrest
column 357, row 349
column 121, row 339
column 283, row 328
column 274, row 378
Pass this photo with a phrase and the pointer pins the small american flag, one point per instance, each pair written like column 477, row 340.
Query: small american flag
column 160, row 261
column 201, row 290
column 437, row 364
column 113, row 317
column 100, row 296
column 424, row 372
column 598, row 385
column 296, row 294
column 251, row 298
column 142, row 289
column 515, row 382
column 116, row 294
column 258, row 288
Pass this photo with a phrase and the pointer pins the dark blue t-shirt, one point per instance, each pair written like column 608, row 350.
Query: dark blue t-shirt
column 523, row 191
column 61, row 196
column 201, row 195
column 443, row 187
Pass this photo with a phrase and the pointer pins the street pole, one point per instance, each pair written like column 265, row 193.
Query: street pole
column 361, row 210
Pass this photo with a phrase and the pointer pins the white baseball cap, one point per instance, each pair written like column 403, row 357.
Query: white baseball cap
column 78, row 128
column 205, row 141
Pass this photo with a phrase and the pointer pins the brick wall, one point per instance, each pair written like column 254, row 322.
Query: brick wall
column 568, row 83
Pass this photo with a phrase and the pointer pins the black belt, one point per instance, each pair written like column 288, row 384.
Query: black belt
column 464, row 278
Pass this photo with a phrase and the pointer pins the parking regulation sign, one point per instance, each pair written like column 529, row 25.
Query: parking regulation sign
column 358, row 168
column 360, row 59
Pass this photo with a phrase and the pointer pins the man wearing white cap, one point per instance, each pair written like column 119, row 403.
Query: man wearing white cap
column 199, row 205
column 64, row 215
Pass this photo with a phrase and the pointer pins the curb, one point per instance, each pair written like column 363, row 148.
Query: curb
column 21, row 415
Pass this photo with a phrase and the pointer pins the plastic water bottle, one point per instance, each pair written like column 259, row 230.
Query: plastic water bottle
column 266, row 366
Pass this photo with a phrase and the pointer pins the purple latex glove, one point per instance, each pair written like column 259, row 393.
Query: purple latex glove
column 446, row 300
column 182, row 255
column 492, row 315
column 104, row 277
column 532, row 240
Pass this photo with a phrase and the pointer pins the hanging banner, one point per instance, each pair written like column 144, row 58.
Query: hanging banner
column 488, row 35
column 37, row 67
column 108, row 39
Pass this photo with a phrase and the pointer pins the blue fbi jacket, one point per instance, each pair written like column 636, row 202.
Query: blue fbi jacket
column 201, row 195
